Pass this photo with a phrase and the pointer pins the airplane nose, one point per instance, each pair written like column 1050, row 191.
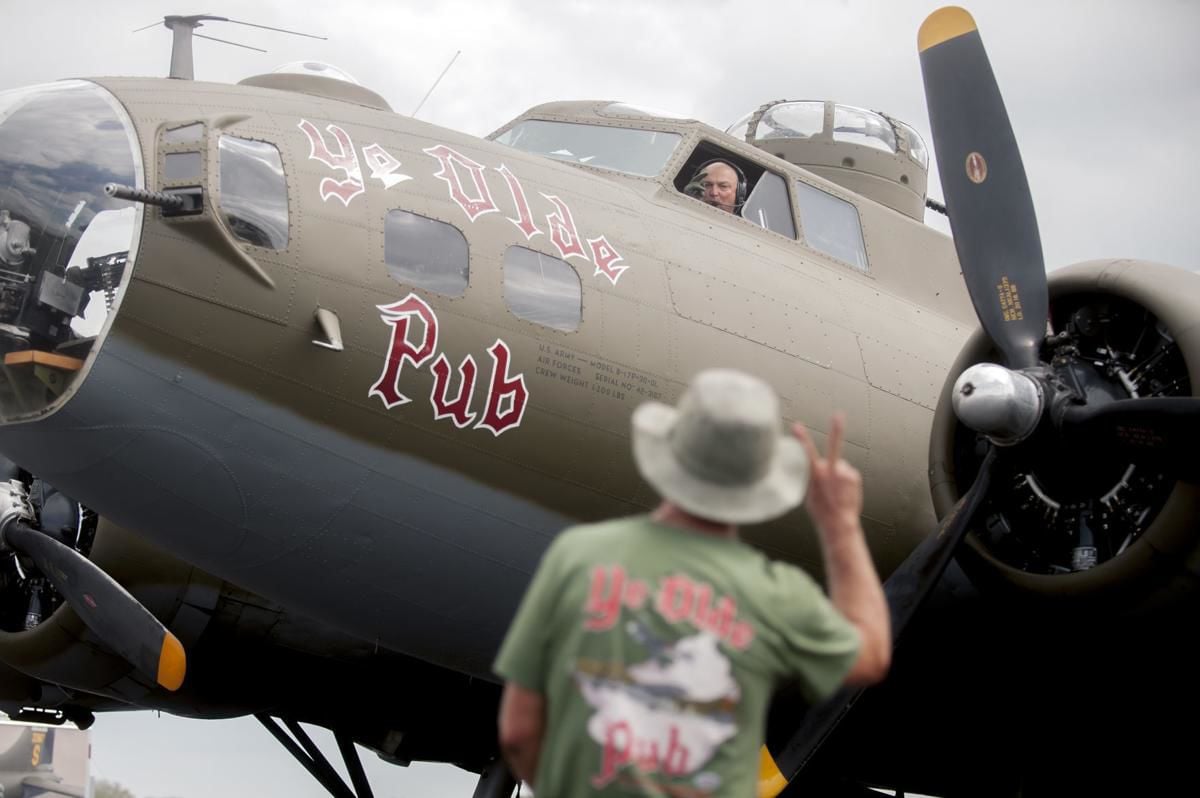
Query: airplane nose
column 65, row 246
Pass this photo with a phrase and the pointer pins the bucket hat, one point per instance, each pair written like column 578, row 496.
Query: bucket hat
column 721, row 453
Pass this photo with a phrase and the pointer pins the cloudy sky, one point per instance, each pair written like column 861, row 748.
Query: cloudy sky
column 1104, row 96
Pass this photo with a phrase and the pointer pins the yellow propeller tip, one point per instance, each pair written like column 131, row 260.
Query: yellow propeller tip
column 770, row 781
column 172, row 663
column 942, row 25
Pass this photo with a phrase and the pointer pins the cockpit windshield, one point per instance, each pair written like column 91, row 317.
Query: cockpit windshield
column 64, row 244
column 635, row 152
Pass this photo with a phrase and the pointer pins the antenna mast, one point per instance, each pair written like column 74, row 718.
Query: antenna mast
column 457, row 53
column 183, row 30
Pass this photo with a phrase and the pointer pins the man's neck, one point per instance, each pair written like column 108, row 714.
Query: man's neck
column 670, row 514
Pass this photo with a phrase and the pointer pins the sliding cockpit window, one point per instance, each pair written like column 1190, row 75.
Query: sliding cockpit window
column 635, row 152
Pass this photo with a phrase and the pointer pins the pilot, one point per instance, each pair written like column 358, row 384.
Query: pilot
column 719, row 183
column 644, row 653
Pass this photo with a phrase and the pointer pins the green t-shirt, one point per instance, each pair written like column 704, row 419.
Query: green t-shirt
column 657, row 650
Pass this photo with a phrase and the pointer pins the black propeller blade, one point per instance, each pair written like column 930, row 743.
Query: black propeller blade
column 109, row 611
column 983, row 181
column 1166, row 427
column 906, row 589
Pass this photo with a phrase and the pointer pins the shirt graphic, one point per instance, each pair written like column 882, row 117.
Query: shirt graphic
column 666, row 714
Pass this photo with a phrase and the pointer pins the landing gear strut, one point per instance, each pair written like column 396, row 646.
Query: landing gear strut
column 494, row 782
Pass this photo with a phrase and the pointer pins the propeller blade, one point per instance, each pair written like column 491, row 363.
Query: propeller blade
column 983, row 182
column 1167, row 427
column 109, row 611
column 906, row 589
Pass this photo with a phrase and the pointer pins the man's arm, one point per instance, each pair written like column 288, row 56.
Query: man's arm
column 522, row 726
column 834, row 502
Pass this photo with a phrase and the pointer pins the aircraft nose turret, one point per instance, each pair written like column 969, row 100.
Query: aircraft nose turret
column 65, row 246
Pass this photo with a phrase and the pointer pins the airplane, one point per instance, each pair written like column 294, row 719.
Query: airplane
column 27, row 765
column 296, row 390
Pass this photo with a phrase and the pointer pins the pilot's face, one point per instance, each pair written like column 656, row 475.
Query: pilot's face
column 720, row 186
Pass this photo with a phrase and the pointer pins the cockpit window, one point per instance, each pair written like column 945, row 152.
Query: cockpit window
column 254, row 192
column 768, row 205
column 831, row 225
column 741, row 187
column 636, row 152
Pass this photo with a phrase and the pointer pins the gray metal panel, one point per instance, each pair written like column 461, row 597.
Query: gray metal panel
column 389, row 547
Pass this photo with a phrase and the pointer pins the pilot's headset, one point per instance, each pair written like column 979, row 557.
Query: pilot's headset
column 693, row 187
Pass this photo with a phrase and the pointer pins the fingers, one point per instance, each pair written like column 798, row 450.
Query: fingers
column 837, row 432
column 806, row 441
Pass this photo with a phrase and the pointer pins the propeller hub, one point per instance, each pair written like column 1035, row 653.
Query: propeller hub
column 1002, row 404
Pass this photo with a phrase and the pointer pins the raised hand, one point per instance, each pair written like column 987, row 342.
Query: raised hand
column 835, row 492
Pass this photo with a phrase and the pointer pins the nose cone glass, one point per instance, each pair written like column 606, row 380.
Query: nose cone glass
column 65, row 246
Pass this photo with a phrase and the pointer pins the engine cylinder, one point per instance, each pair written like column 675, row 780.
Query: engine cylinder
column 1074, row 528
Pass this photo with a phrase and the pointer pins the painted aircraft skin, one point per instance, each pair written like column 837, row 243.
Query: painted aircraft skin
column 293, row 449
column 451, row 520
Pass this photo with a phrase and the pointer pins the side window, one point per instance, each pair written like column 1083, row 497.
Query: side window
column 254, row 199
column 768, row 205
column 181, row 166
column 831, row 225
column 425, row 253
column 542, row 289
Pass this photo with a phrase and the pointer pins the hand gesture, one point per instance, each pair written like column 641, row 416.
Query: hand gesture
column 835, row 494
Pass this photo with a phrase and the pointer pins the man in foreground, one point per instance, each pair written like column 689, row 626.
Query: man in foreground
column 644, row 654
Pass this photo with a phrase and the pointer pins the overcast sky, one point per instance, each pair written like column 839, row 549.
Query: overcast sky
column 1104, row 96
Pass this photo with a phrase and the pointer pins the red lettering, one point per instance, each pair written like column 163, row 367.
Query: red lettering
column 675, row 761
column 606, row 259
column 604, row 601
column 503, row 390
column 635, row 594
column 645, row 757
column 723, row 616
column 702, row 616
column 618, row 739
column 383, row 166
column 741, row 635
column 681, row 599
column 457, row 409
column 623, row 747
column 473, row 206
column 675, row 598
column 344, row 160
column 562, row 229
column 397, row 315
column 524, row 220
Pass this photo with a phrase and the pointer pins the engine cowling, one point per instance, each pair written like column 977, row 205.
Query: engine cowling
column 44, row 639
column 1063, row 527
